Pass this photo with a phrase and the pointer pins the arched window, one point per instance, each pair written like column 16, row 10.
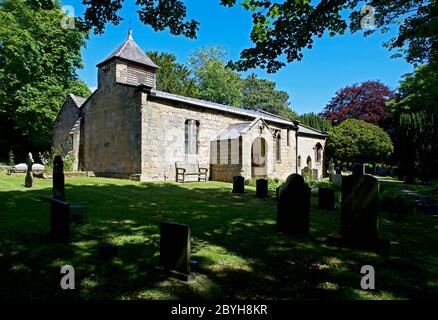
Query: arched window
column 278, row 147
column 309, row 162
column 318, row 153
column 299, row 161
column 191, row 132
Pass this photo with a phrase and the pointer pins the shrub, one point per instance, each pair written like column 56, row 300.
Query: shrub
column 48, row 157
column 11, row 159
column 397, row 204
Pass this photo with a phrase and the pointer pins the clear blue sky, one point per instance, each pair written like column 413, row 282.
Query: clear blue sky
column 332, row 63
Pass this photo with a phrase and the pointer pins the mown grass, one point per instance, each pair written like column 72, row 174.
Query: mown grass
column 239, row 254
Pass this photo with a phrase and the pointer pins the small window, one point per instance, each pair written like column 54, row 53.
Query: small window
column 288, row 137
column 318, row 153
column 191, row 135
column 299, row 161
column 278, row 147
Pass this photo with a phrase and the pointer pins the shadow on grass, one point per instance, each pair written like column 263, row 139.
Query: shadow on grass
column 239, row 254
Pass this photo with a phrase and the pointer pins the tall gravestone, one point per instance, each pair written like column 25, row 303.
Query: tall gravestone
column 326, row 198
column 58, row 179
column 238, row 184
column 59, row 208
column 293, row 206
column 331, row 170
column 175, row 247
column 261, row 188
column 28, row 182
column 359, row 212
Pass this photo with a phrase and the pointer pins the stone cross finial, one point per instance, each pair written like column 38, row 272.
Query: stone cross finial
column 130, row 34
column 28, row 182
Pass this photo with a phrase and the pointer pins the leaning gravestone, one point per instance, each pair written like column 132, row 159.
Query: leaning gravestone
column 293, row 207
column 261, row 188
column 59, row 220
column 58, row 179
column 175, row 249
column 238, row 184
column 359, row 212
column 337, row 180
column 326, row 198
column 28, row 182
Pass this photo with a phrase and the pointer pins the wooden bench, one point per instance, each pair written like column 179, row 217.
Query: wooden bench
column 184, row 169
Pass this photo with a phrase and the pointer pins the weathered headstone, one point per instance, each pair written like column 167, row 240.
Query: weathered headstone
column 261, row 188
column 238, row 184
column 59, row 220
column 293, row 207
column 326, row 198
column 315, row 175
column 58, row 179
column 331, row 170
column 359, row 212
column 337, row 179
column 175, row 247
column 28, row 182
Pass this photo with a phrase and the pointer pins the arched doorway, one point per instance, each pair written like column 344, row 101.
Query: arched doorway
column 259, row 158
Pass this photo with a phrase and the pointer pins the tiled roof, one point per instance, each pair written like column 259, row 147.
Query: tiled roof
column 79, row 101
column 243, row 112
column 130, row 51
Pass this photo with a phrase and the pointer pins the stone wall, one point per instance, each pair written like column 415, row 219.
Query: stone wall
column 306, row 148
column 63, row 124
column 111, row 142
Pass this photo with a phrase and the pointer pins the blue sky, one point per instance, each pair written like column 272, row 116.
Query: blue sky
column 331, row 64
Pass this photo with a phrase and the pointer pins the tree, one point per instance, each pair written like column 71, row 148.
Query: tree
column 38, row 62
column 282, row 29
column 260, row 94
column 216, row 82
column 315, row 121
column 356, row 141
column 365, row 101
column 172, row 76
column 415, row 114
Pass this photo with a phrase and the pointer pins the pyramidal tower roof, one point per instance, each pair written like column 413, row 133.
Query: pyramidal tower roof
column 130, row 51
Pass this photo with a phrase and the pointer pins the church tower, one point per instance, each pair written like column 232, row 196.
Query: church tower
column 129, row 65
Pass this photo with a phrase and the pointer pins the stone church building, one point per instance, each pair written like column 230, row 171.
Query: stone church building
column 127, row 127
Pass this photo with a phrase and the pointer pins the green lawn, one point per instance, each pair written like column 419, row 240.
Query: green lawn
column 239, row 253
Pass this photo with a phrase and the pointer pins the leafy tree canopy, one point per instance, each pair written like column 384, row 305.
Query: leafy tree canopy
column 358, row 141
column 38, row 63
column 282, row 29
column 216, row 82
column 173, row 77
column 261, row 94
column 366, row 101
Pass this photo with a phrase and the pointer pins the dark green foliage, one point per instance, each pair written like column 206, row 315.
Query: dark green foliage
column 172, row 76
column 315, row 121
column 38, row 60
column 358, row 141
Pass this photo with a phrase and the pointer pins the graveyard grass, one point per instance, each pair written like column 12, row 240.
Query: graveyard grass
column 239, row 254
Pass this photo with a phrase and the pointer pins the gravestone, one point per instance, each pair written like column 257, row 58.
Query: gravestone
column 58, row 179
column 261, row 188
column 337, row 179
column 59, row 220
column 359, row 212
column 238, row 184
column 315, row 175
column 331, row 170
column 293, row 207
column 326, row 198
column 175, row 247
column 28, row 182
